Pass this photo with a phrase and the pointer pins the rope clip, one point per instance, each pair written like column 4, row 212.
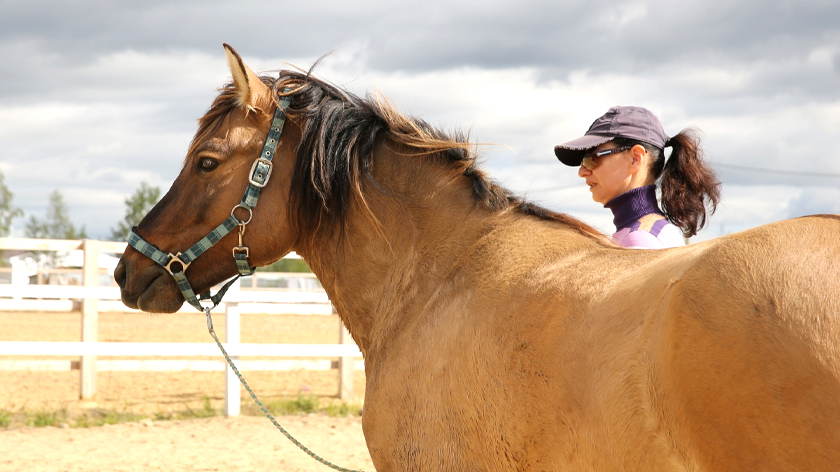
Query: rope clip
column 241, row 247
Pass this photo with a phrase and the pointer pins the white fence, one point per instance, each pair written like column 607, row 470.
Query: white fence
column 89, row 349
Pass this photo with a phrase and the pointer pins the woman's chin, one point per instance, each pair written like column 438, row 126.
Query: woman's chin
column 596, row 196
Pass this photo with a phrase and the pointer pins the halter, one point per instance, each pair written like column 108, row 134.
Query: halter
column 176, row 264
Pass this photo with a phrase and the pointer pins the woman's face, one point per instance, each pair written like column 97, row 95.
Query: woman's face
column 611, row 175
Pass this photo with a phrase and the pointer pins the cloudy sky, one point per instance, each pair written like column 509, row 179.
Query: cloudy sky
column 100, row 96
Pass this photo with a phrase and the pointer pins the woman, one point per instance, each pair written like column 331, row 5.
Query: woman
column 622, row 157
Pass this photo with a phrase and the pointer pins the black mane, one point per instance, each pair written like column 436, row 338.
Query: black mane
column 340, row 130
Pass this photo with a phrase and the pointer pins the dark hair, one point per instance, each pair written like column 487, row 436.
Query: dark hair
column 689, row 188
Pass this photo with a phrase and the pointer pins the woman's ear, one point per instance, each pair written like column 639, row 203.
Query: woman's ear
column 637, row 154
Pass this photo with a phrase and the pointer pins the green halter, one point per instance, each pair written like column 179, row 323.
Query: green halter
column 259, row 175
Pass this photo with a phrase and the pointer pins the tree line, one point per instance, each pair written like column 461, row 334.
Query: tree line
column 57, row 224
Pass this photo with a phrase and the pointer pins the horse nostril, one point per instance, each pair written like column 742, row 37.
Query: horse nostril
column 119, row 274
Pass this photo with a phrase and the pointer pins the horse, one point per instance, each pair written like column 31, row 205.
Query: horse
column 499, row 335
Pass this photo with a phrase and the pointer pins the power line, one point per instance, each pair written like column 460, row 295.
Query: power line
column 551, row 189
column 777, row 171
column 715, row 164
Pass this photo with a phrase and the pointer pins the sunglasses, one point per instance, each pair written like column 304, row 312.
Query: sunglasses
column 590, row 160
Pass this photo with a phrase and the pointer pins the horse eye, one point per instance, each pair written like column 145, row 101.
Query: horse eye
column 206, row 164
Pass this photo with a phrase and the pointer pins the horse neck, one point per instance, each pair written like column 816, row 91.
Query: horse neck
column 417, row 220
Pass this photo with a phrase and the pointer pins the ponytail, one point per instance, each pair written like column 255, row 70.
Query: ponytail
column 688, row 185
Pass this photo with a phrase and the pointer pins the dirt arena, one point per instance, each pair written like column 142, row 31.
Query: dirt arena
column 217, row 443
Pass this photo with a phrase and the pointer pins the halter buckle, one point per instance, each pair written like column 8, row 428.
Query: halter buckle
column 263, row 180
column 176, row 258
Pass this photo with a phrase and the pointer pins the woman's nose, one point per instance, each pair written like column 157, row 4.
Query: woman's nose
column 583, row 172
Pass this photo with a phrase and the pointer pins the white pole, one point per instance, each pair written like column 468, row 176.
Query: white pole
column 90, row 319
column 232, row 336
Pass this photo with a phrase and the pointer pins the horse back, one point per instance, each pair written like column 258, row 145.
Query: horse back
column 748, row 350
column 544, row 351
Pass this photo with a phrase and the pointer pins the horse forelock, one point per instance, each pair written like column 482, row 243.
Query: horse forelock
column 339, row 132
column 226, row 102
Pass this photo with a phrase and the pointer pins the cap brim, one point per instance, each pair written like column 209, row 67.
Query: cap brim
column 571, row 153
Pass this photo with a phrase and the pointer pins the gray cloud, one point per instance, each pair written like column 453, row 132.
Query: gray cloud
column 439, row 35
column 774, row 38
column 815, row 200
column 105, row 94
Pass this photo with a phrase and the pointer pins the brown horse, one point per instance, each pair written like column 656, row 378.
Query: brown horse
column 498, row 335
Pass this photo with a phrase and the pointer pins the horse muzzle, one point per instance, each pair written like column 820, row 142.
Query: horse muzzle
column 147, row 287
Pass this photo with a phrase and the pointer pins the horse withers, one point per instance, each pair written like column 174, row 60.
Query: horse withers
column 498, row 335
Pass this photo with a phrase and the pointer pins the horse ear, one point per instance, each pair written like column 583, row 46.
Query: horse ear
column 249, row 87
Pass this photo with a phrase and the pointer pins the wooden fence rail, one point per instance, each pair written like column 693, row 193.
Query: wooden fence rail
column 89, row 349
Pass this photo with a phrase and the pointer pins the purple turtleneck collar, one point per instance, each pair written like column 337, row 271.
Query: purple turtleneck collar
column 632, row 205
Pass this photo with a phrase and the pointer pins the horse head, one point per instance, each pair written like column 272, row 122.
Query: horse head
column 207, row 192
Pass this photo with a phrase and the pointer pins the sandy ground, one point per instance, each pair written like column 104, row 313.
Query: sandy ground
column 242, row 443
column 219, row 444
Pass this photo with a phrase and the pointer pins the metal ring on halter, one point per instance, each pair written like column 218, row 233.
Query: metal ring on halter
column 250, row 214
column 176, row 258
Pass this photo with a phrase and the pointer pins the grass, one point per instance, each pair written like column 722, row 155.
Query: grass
column 206, row 411
column 5, row 418
column 43, row 418
column 342, row 409
column 303, row 404
column 103, row 417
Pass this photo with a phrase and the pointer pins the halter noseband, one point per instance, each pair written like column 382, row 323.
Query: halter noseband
column 258, row 178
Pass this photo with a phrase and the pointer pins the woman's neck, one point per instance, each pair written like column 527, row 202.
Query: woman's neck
column 632, row 205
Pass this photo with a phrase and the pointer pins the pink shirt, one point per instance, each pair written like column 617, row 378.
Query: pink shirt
column 639, row 222
column 651, row 231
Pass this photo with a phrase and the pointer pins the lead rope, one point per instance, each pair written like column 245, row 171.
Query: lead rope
column 263, row 408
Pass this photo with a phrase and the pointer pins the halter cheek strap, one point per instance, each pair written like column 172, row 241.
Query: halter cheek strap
column 176, row 264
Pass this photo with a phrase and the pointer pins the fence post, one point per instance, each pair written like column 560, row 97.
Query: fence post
column 345, row 365
column 232, row 330
column 90, row 319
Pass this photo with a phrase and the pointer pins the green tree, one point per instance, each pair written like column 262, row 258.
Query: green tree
column 57, row 224
column 136, row 207
column 286, row 265
column 7, row 211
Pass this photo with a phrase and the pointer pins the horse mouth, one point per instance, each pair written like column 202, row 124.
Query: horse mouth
column 150, row 289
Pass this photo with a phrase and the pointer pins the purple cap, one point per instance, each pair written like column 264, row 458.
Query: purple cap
column 635, row 123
